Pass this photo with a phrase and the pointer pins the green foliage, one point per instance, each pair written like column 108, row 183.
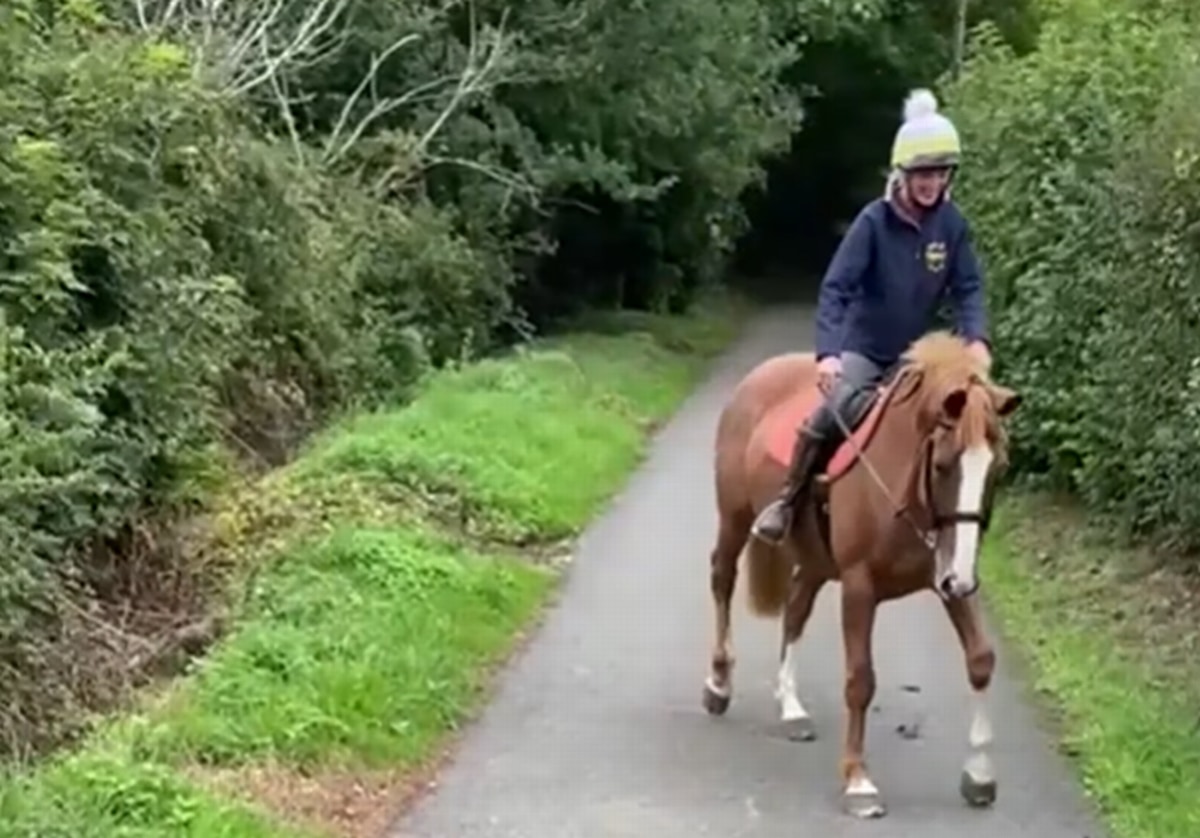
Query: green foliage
column 1082, row 188
column 364, row 647
column 168, row 279
column 364, row 641
column 492, row 454
column 853, row 72
column 531, row 443
column 102, row 794
column 1116, row 650
column 616, row 139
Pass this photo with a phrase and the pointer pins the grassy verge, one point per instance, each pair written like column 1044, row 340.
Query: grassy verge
column 381, row 576
column 1112, row 638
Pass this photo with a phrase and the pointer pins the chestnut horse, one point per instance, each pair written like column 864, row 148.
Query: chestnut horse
column 900, row 508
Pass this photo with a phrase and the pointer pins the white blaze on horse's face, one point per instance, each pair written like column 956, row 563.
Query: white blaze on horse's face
column 960, row 577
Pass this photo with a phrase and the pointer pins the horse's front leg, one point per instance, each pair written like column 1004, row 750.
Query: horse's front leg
column 797, row 724
column 978, row 783
column 860, row 796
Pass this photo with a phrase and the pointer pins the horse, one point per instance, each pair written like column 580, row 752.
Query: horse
column 901, row 507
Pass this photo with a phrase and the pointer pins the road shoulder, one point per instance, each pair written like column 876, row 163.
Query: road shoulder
column 1110, row 637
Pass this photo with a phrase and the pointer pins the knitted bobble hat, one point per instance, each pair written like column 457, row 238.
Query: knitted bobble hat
column 926, row 139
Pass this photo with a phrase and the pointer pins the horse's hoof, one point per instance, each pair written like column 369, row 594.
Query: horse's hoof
column 714, row 702
column 866, row 806
column 800, row 730
column 978, row 793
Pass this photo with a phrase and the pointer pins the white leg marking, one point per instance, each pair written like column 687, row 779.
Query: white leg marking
column 975, row 463
column 861, row 785
column 717, row 689
column 790, row 707
column 979, row 763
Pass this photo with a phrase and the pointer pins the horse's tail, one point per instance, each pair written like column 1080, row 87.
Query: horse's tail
column 769, row 578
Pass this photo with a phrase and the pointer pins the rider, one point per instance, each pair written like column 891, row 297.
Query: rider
column 902, row 254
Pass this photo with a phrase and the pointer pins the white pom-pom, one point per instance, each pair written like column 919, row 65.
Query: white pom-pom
column 920, row 103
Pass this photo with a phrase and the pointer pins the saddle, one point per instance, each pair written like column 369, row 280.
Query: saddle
column 787, row 419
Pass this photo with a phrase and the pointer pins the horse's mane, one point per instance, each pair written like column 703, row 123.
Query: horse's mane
column 940, row 361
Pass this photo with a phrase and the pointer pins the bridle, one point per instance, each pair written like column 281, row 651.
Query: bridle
column 944, row 520
column 940, row 520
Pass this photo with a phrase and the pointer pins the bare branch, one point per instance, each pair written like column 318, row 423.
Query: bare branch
column 168, row 15
column 473, row 80
column 242, row 44
column 511, row 179
column 250, row 46
column 306, row 39
column 278, row 87
column 368, row 80
column 475, row 77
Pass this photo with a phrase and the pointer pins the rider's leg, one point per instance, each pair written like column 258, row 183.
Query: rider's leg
column 816, row 442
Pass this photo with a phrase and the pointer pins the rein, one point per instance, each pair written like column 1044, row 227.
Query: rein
column 929, row 537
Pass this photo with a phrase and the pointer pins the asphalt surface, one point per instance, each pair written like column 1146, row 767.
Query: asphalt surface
column 597, row 729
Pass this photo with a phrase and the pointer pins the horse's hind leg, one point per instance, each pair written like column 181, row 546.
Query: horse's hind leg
column 797, row 724
column 731, row 538
column 978, row 783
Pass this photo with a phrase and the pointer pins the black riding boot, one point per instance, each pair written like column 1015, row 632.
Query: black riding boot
column 815, row 443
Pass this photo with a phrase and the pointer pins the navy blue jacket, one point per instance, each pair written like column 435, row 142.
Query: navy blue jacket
column 886, row 280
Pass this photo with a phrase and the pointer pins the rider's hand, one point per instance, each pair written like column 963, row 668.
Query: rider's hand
column 981, row 352
column 828, row 370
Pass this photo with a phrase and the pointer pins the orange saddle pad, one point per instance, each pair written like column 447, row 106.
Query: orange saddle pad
column 787, row 419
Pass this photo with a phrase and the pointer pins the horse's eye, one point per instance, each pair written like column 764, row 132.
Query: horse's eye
column 944, row 461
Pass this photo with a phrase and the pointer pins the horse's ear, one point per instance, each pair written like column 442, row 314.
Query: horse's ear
column 1005, row 400
column 954, row 403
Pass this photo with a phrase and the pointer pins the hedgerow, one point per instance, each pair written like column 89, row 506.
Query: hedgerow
column 172, row 284
column 1082, row 186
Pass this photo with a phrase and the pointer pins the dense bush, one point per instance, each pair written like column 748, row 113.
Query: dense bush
column 1082, row 185
column 171, row 280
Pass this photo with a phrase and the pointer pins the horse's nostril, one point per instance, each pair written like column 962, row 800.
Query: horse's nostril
column 947, row 585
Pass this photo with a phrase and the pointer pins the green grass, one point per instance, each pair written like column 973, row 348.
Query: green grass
column 386, row 583
column 535, row 445
column 360, row 648
column 1113, row 648
column 106, row 792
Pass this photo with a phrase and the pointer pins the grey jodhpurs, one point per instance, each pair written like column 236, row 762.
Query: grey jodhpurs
column 852, row 395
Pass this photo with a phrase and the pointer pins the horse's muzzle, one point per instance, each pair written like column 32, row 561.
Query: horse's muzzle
column 951, row 586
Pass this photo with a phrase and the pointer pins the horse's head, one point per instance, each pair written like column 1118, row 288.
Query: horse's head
column 963, row 450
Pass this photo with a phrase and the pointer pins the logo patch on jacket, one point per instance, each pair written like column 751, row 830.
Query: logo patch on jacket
column 935, row 256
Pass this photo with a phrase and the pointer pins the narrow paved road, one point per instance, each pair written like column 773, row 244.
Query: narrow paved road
column 597, row 730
